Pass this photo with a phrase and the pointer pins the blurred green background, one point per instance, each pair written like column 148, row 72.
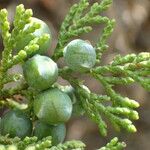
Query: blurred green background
column 131, row 35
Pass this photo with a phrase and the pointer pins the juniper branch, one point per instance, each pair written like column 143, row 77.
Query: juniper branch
column 76, row 23
column 114, row 145
column 94, row 108
column 22, row 18
column 32, row 143
column 10, row 103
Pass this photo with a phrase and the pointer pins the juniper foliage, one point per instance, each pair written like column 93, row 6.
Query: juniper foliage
column 31, row 143
column 123, row 70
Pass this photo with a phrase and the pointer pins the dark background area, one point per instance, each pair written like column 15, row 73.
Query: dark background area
column 131, row 35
